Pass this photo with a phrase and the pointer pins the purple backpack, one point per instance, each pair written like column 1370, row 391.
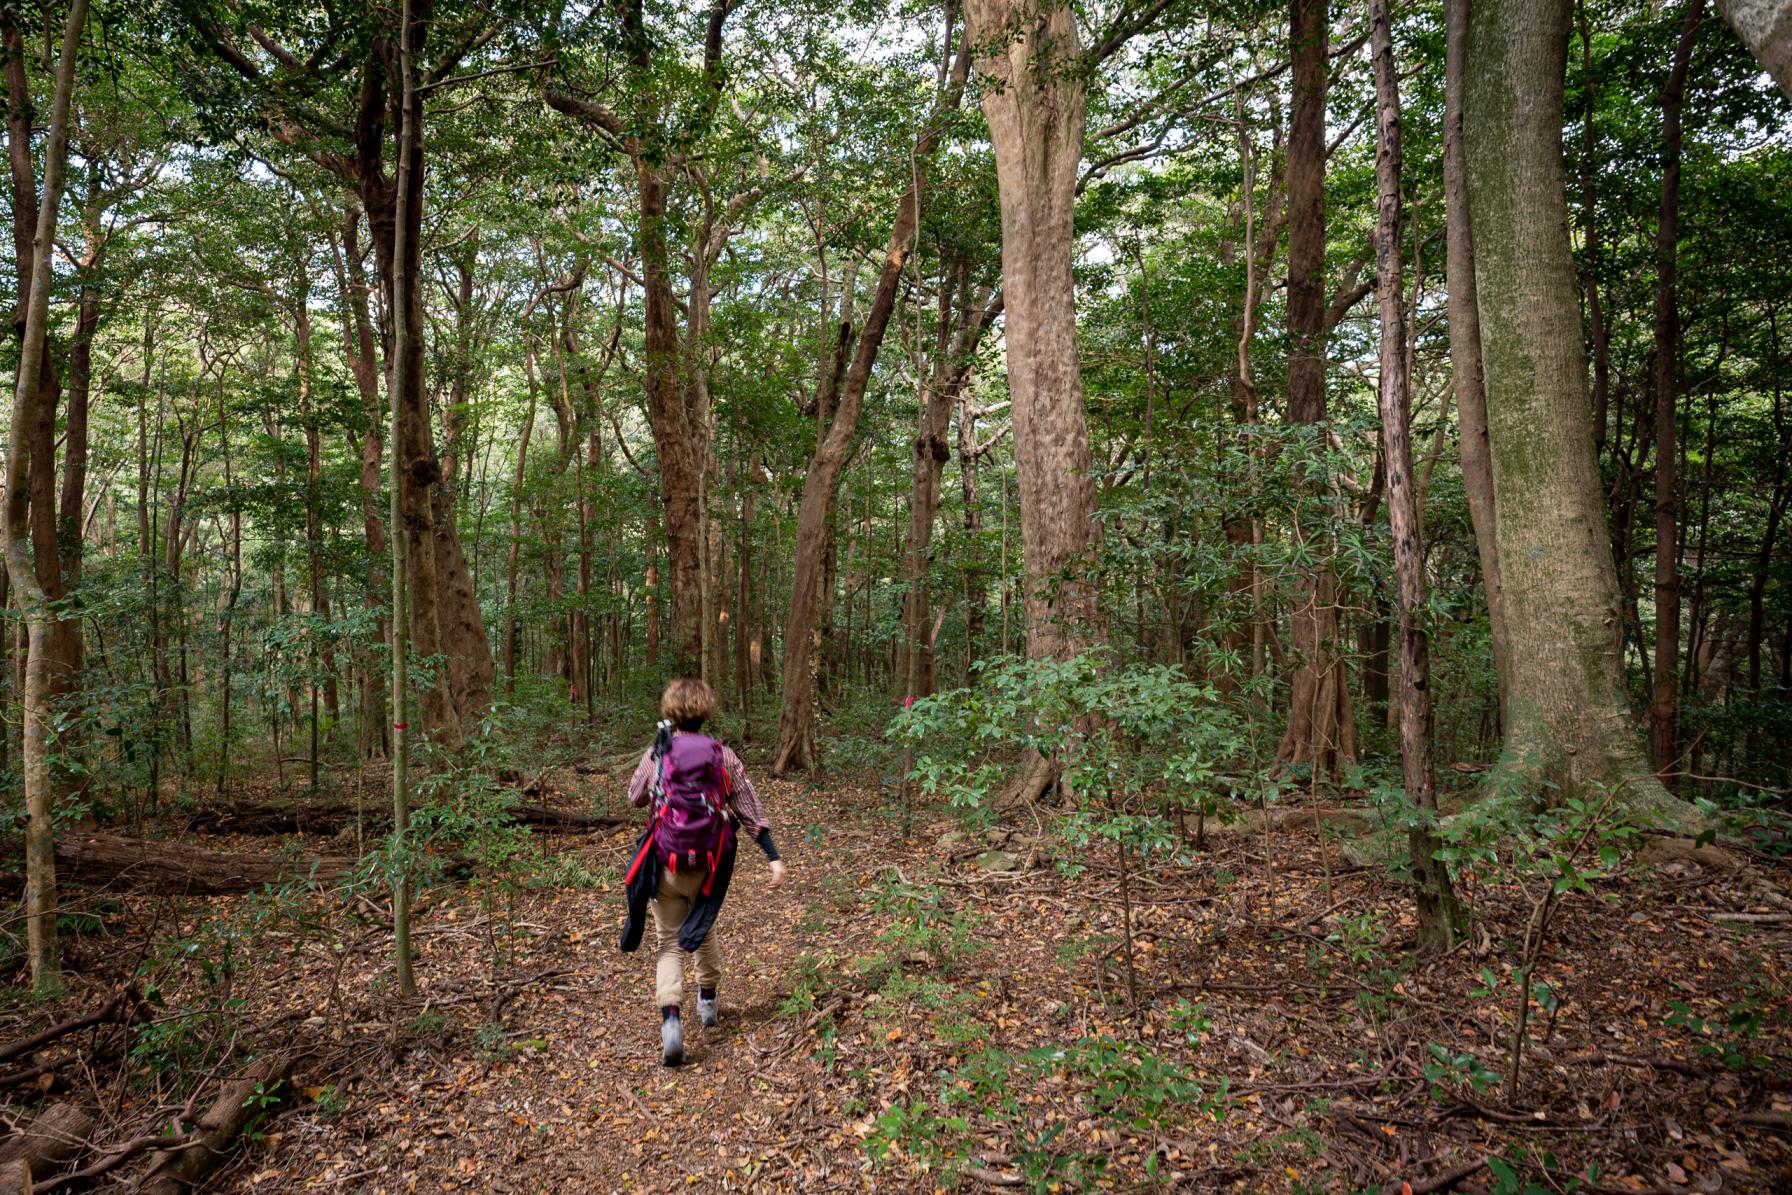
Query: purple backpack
column 690, row 811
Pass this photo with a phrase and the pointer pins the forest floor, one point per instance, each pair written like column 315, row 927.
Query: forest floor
column 924, row 1015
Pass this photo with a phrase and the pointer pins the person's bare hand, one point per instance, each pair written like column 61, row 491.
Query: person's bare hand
column 777, row 875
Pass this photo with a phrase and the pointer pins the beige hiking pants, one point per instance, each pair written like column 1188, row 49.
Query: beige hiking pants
column 670, row 906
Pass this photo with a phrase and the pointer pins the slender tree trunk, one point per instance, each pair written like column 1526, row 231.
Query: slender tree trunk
column 1568, row 719
column 407, row 477
column 1597, row 330
column 746, row 635
column 796, row 718
column 1776, row 511
column 512, row 624
column 29, row 397
column 1465, row 341
column 1664, row 699
column 976, row 581
column 232, row 593
column 1439, row 913
column 48, row 551
column 961, row 328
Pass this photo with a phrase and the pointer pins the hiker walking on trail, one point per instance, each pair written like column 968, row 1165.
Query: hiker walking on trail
column 698, row 793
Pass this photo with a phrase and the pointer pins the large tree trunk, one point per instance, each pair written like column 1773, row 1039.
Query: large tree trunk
column 1765, row 26
column 1321, row 727
column 1568, row 719
column 28, row 401
column 1664, row 698
column 358, row 340
column 415, row 452
column 1035, row 107
column 1465, row 342
column 471, row 670
column 677, row 444
column 1439, row 913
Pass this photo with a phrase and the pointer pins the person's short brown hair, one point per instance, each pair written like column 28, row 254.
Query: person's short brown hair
column 688, row 702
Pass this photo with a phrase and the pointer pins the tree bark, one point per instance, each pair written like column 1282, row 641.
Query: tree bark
column 414, row 451
column 1034, row 103
column 64, row 644
column 363, row 363
column 1568, row 725
column 55, row 1138
column 1465, row 342
column 239, row 1104
column 1321, row 726
column 413, row 464
column 1765, row 26
column 796, row 718
column 1439, row 914
column 512, row 624
column 29, row 399
column 961, row 327
column 1664, row 704
column 471, row 669
column 1776, row 511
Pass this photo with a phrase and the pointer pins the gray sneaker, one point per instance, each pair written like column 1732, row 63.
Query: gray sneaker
column 708, row 1010
column 671, row 1042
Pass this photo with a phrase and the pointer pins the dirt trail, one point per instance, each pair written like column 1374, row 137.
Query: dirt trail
column 569, row 1094
column 972, row 1028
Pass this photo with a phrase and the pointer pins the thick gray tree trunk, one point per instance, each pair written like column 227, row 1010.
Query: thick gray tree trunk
column 1467, row 374
column 1765, row 26
column 1569, row 722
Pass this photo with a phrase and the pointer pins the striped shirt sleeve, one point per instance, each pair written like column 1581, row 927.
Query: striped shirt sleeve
column 745, row 798
column 638, row 783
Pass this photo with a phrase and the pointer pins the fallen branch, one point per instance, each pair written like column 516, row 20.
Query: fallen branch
column 51, row 1141
column 176, row 1171
column 1779, row 1122
column 1661, row 1064
column 107, row 1011
column 180, row 868
column 110, row 1159
column 1749, row 918
column 1437, row 1182
column 242, row 817
column 994, row 1178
